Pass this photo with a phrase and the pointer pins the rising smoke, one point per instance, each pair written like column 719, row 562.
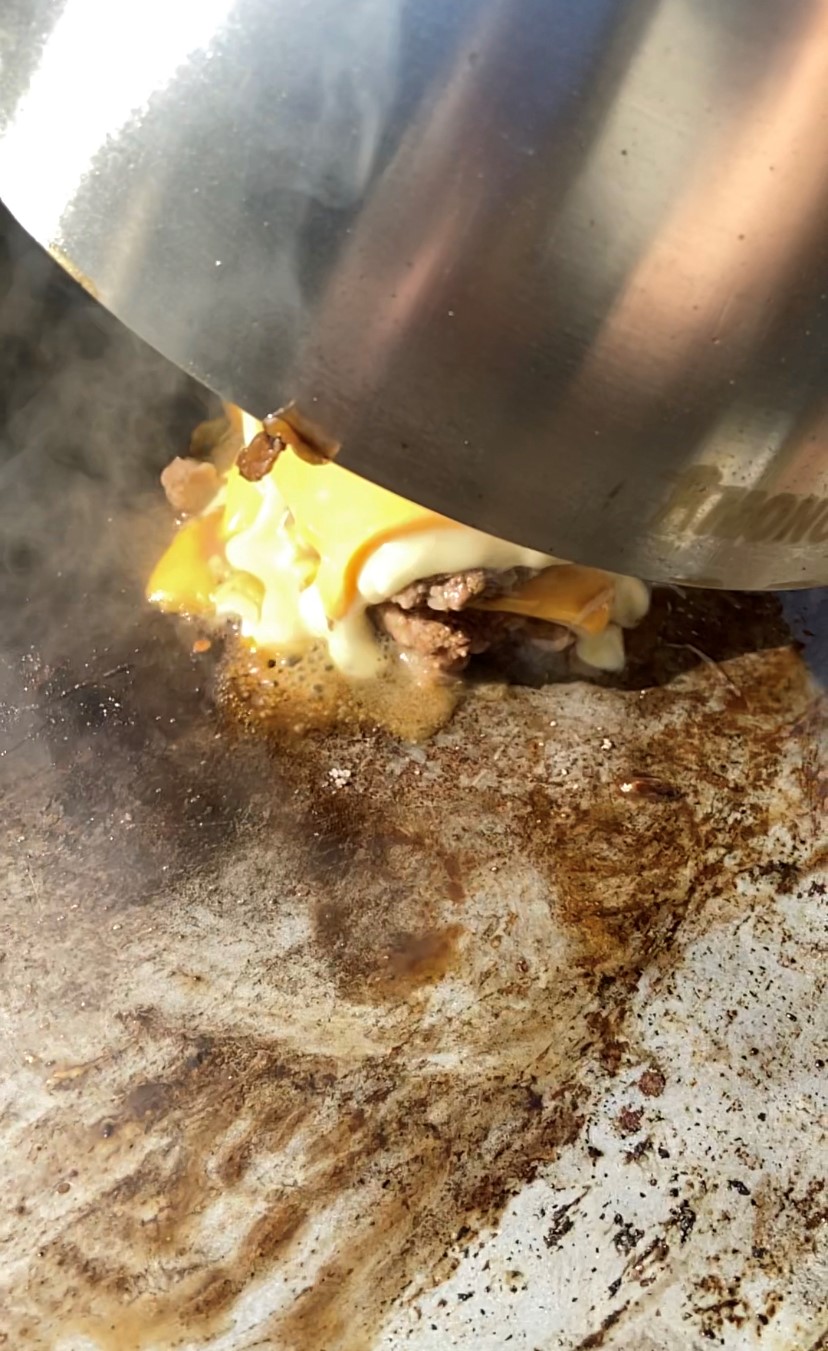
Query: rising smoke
column 89, row 415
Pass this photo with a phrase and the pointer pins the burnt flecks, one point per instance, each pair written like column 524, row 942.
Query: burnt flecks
column 120, row 801
column 721, row 1304
column 444, row 1152
column 561, row 1224
column 642, row 1264
column 639, row 1149
column 626, row 1236
column 782, row 873
column 683, row 1218
column 736, row 1185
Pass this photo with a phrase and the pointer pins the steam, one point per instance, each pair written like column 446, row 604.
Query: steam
column 88, row 417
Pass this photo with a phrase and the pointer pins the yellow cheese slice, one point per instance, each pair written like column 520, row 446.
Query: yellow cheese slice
column 242, row 504
column 580, row 598
column 344, row 518
column 184, row 578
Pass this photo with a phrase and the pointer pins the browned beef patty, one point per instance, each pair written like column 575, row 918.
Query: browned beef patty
column 443, row 641
column 456, row 590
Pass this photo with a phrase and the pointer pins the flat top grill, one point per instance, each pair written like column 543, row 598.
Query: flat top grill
column 337, row 1042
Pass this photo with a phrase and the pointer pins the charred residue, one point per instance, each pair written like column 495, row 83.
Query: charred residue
column 409, row 1156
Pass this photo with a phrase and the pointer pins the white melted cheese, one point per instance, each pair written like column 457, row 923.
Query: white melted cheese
column 434, row 553
column 271, row 590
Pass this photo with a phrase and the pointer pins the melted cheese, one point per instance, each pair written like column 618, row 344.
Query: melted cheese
column 580, row 598
column 345, row 520
column 301, row 554
column 184, row 579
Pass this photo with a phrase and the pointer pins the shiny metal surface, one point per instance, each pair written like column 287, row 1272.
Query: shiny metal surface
column 559, row 269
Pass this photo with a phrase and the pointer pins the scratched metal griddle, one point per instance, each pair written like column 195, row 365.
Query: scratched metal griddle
column 514, row 1038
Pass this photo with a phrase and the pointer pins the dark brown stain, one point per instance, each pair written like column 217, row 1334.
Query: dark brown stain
column 147, row 1100
column 607, row 1045
column 398, row 961
column 376, row 949
column 453, row 865
column 813, row 1205
column 598, row 1338
column 628, row 870
column 418, row 1129
column 652, row 1083
column 628, row 1121
column 620, row 871
column 420, row 959
column 417, row 1179
column 720, row 1304
column 645, row 785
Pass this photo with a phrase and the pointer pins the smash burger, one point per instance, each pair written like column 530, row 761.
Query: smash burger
column 300, row 551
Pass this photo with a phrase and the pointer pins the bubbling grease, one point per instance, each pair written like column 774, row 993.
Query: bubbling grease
column 291, row 696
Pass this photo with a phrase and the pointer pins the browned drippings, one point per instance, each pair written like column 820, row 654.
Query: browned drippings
column 291, row 696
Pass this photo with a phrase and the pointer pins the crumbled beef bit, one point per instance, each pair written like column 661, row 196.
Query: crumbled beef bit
column 189, row 484
column 444, row 642
column 413, row 595
column 456, row 590
column 258, row 458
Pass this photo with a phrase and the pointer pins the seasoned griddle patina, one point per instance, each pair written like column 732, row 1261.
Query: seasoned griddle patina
column 334, row 1042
